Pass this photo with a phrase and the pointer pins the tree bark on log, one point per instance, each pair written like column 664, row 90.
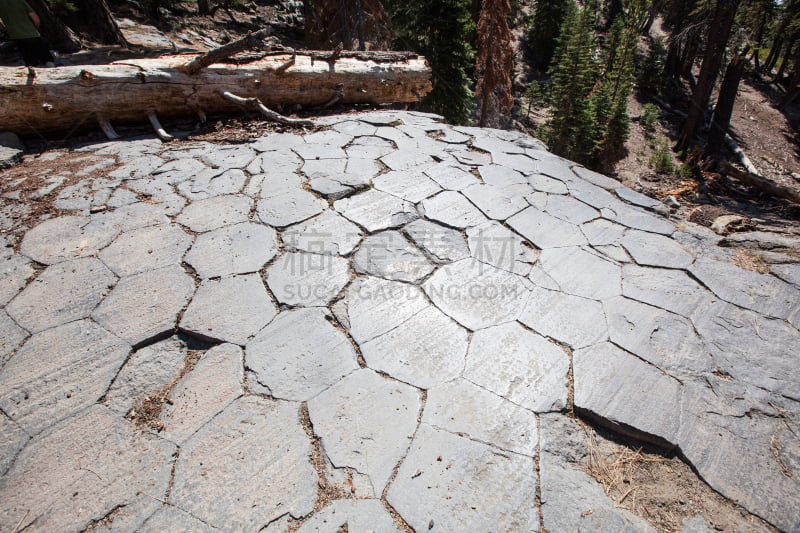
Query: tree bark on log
column 72, row 98
column 759, row 182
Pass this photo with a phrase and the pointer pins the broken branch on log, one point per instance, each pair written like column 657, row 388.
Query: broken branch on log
column 159, row 129
column 61, row 99
column 759, row 182
column 255, row 104
column 248, row 42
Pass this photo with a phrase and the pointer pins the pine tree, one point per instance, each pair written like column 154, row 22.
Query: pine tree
column 442, row 31
column 356, row 24
column 494, row 65
column 571, row 130
column 544, row 25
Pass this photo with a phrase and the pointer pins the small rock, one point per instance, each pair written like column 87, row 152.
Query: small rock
column 730, row 223
column 11, row 149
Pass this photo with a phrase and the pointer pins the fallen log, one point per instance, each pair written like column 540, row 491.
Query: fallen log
column 67, row 99
column 759, row 182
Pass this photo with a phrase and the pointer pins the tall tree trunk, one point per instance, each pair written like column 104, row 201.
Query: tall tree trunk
column 495, row 64
column 100, row 22
column 724, row 109
column 203, row 7
column 58, row 35
column 793, row 89
column 787, row 53
column 356, row 24
column 652, row 13
column 715, row 49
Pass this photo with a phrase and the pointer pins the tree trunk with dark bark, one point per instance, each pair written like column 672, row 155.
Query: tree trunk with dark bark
column 100, row 22
column 715, row 50
column 495, row 64
column 57, row 34
column 724, row 108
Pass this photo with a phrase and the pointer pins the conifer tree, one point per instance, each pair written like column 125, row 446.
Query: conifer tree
column 441, row 30
column 544, row 25
column 494, row 65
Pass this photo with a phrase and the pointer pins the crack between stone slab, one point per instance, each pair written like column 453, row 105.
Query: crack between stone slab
column 637, row 356
column 538, row 472
column 465, row 435
column 106, row 519
column 493, row 393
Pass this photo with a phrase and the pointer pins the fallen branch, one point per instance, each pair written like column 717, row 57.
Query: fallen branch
column 248, row 42
column 760, row 182
column 255, row 104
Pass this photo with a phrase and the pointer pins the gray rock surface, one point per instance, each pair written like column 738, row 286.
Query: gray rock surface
column 220, row 480
column 146, row 249
column 375, row 210
column 216, row 212
column 365, row 422
column 655, row 250
column 327, row 233
column 11, row 336
column 64, row 238
column 15, row 271
column 302, row 279
column 61, row 293
column 572, row 320
column 300, row 354
column 580, row 273
column 389, row 255
column 146, row 305
column 452, row 209
column 368, row 516
column 546, row 231
column 229, row 309
column 238, row 249
column 11, row 149
column 442, row 244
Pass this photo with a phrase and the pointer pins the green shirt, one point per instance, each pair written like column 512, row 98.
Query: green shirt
column 14, row 14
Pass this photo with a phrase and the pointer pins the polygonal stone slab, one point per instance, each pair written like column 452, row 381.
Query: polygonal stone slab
column 622, row 389
column 547, row 184
column 758, row 292
column 313, row 151
column 215, row 381
column 213, row 182
column 648, row 249
column 328, row 233
column 520, row 366
column 443, row 245
column 147, row 371
column 146, row 249
column 365, row 422
column 376, row 210
column 216, row 212
column 452, row 209
column 637, row 198
column 465, row 409
column 572, row 320
column 14, row 273
column 221, row 479
column 477, row 295
column 426, row 349
column 90, row 464
column 657, row 336
column 179, row 170
column 571, row 210
column 672, row 290
column 496, row 202
column 63, row 238
column 170, row 202
column 229, row 309
column 11, row 336
column 636, row 218
column 501, row 176
column 64, row 292
column 238, row 249
column 582, row 273
column 404, row 159
column 305, row 279
column 146, row 305
column 408, row 185
column 458, row 484
column 546, row 231
column 452, row 178
column 59, row 372
column 228, row 156
column 595, row 178
column 284, row 202
column 602, row 232
column 496, row 245
column 376, row 306
column 300, row 354
column 389, row 255
column 356, row 515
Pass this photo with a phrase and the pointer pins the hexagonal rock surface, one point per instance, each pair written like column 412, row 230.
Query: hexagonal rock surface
column 546, row 231
column 497, row 356
column 477, row 295
column 655, row 250
column 411, row 186
column 307, row 279
column 300, row 354
column 62, row 293
column 389, row 255
column 365, row 422
column 82, row 470
column 238, row 249
column 443, row 245
column 465, row 409
column 572, row 320
column 14, row 273
column 11, row 336
column 452, row 209
column 169, row 518
column 462, row 485
column 146, row 249
column 376, row 210
column 284, row 201
column 63, row 238
column 214, row 382
column 59, row 372
column 220, row 478
column 216, row 212
column 375, row 306
column 581, row 273
column 229, row 309
column 327, row 233
column 144, row 306
column 356, row 515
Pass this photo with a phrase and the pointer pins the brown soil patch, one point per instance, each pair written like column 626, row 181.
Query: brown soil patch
column 660, row 487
